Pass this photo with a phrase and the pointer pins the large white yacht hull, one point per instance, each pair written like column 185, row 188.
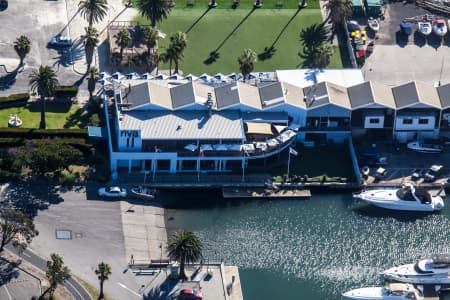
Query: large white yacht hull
column 372, row 293
column 387, row 198
column 408, row 274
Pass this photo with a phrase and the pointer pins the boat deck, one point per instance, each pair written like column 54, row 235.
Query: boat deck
column 265, row 193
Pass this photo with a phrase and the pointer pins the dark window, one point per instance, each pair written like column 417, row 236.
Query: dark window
column 132, row 142
column 374, row 121
column 423, row 121
column 407, row 121
column 128, row 142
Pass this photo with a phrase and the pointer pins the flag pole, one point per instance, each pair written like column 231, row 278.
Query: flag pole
column 289, row 163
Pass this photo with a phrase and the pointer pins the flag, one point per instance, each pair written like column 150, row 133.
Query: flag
column 292, row 151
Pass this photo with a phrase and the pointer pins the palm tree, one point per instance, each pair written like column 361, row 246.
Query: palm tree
column 185, row 247
column 169, row 56
column 322, row 56
column 179, row 42
column 247, row 62
column 116, row 59
column 150, row 38
column 56, row 273
column 154, row 10
column 93, row 78
column 338, row 10
column 22, row 45
column 313, row 37
column 103, row 271
column 90, row 42
column 44, row 82
column 123, row 38
column 93, row 10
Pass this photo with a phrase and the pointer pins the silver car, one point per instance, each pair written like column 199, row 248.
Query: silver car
column 113, row 191
column 61, row 40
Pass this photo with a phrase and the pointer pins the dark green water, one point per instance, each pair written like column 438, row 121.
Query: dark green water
column 313, row 249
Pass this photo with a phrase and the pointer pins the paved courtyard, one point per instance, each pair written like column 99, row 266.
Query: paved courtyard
column 397, row 59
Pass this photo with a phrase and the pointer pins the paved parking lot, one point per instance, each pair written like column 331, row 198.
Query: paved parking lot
column 39, row 20
column 397, row 59
column 17, row 284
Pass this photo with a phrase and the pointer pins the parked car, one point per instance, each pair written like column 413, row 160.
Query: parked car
column 60, row 41
column 188, row 294
column 113, row 191
column 433, row 172
column 417, row 174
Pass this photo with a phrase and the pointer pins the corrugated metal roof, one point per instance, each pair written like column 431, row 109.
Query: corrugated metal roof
column 136, row 95
column 271, row 94
column 428, row 94
column 382, row 94
column 338, row 95
column 405, row 95
column 182, row 95
column 184, row 125
column 444, row 95
column 360, row 95
column 249, row 95
column 294, row 95
column 227, row 95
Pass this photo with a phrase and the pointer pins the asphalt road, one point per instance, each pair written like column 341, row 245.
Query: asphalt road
column 78, row 292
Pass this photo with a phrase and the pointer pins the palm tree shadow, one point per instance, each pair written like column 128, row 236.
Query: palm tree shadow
column 267, row 53
column 161, row 292
column 70, row 21
column 212, row 58
column 234, row 30
column 285, row 27
column 198, row 20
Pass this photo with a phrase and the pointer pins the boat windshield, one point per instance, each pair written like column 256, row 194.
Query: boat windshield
column 405, row 194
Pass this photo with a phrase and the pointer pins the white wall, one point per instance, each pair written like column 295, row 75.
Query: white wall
column 399, row 125
column 369, row 124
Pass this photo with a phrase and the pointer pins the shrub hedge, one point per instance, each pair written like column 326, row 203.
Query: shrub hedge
column 42, row 133
column 66, row 91
column 14, row 100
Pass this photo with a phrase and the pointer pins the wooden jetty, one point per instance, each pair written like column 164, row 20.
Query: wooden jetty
column 235, row 192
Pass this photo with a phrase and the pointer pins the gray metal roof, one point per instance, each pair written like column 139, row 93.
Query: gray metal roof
column 227, row 95
column 360, row 95
column 184, row 125
column 271, row 117
column 182, row 95
column 138, row 95
column 444, row 95
column 316, row 95
column 405, row 95
column 271, row 94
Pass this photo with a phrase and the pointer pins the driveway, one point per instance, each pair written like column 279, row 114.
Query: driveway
column 398, row 59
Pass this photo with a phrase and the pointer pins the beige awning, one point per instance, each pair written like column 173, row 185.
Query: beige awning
column 259, row 128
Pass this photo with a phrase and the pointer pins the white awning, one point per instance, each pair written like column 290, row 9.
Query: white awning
column 191, row 147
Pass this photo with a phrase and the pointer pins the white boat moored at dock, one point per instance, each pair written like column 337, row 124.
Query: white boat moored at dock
column 433, row 270
column 393, row 291
column 424, row 147
column 407, row 198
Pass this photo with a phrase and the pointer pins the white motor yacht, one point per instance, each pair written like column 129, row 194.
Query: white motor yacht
column 393, row 291
column 433, row 270
column 407, row 198
column 440, row 27
column 424, row 147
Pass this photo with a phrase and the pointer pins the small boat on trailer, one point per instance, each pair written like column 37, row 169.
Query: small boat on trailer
column 143, row 192
column 425, row 147
column 440, row 27
column 373, row 24
column 425, row 28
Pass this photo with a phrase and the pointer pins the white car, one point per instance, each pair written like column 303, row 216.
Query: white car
column 61, row 40
column 113, row 191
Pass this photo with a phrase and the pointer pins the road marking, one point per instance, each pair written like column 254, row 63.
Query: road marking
column 79, row 294
column 128, row 289
column 31, row 250
column 25, row 254
column 7, row 292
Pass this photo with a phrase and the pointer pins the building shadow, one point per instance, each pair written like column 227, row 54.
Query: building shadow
column 198, row 20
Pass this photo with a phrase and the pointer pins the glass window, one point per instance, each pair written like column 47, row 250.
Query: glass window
column 423, row 121
column 374, row 121
column 407, row 121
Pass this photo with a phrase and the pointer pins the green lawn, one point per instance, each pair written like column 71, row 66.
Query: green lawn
column 228, row 31
column 57, row 116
